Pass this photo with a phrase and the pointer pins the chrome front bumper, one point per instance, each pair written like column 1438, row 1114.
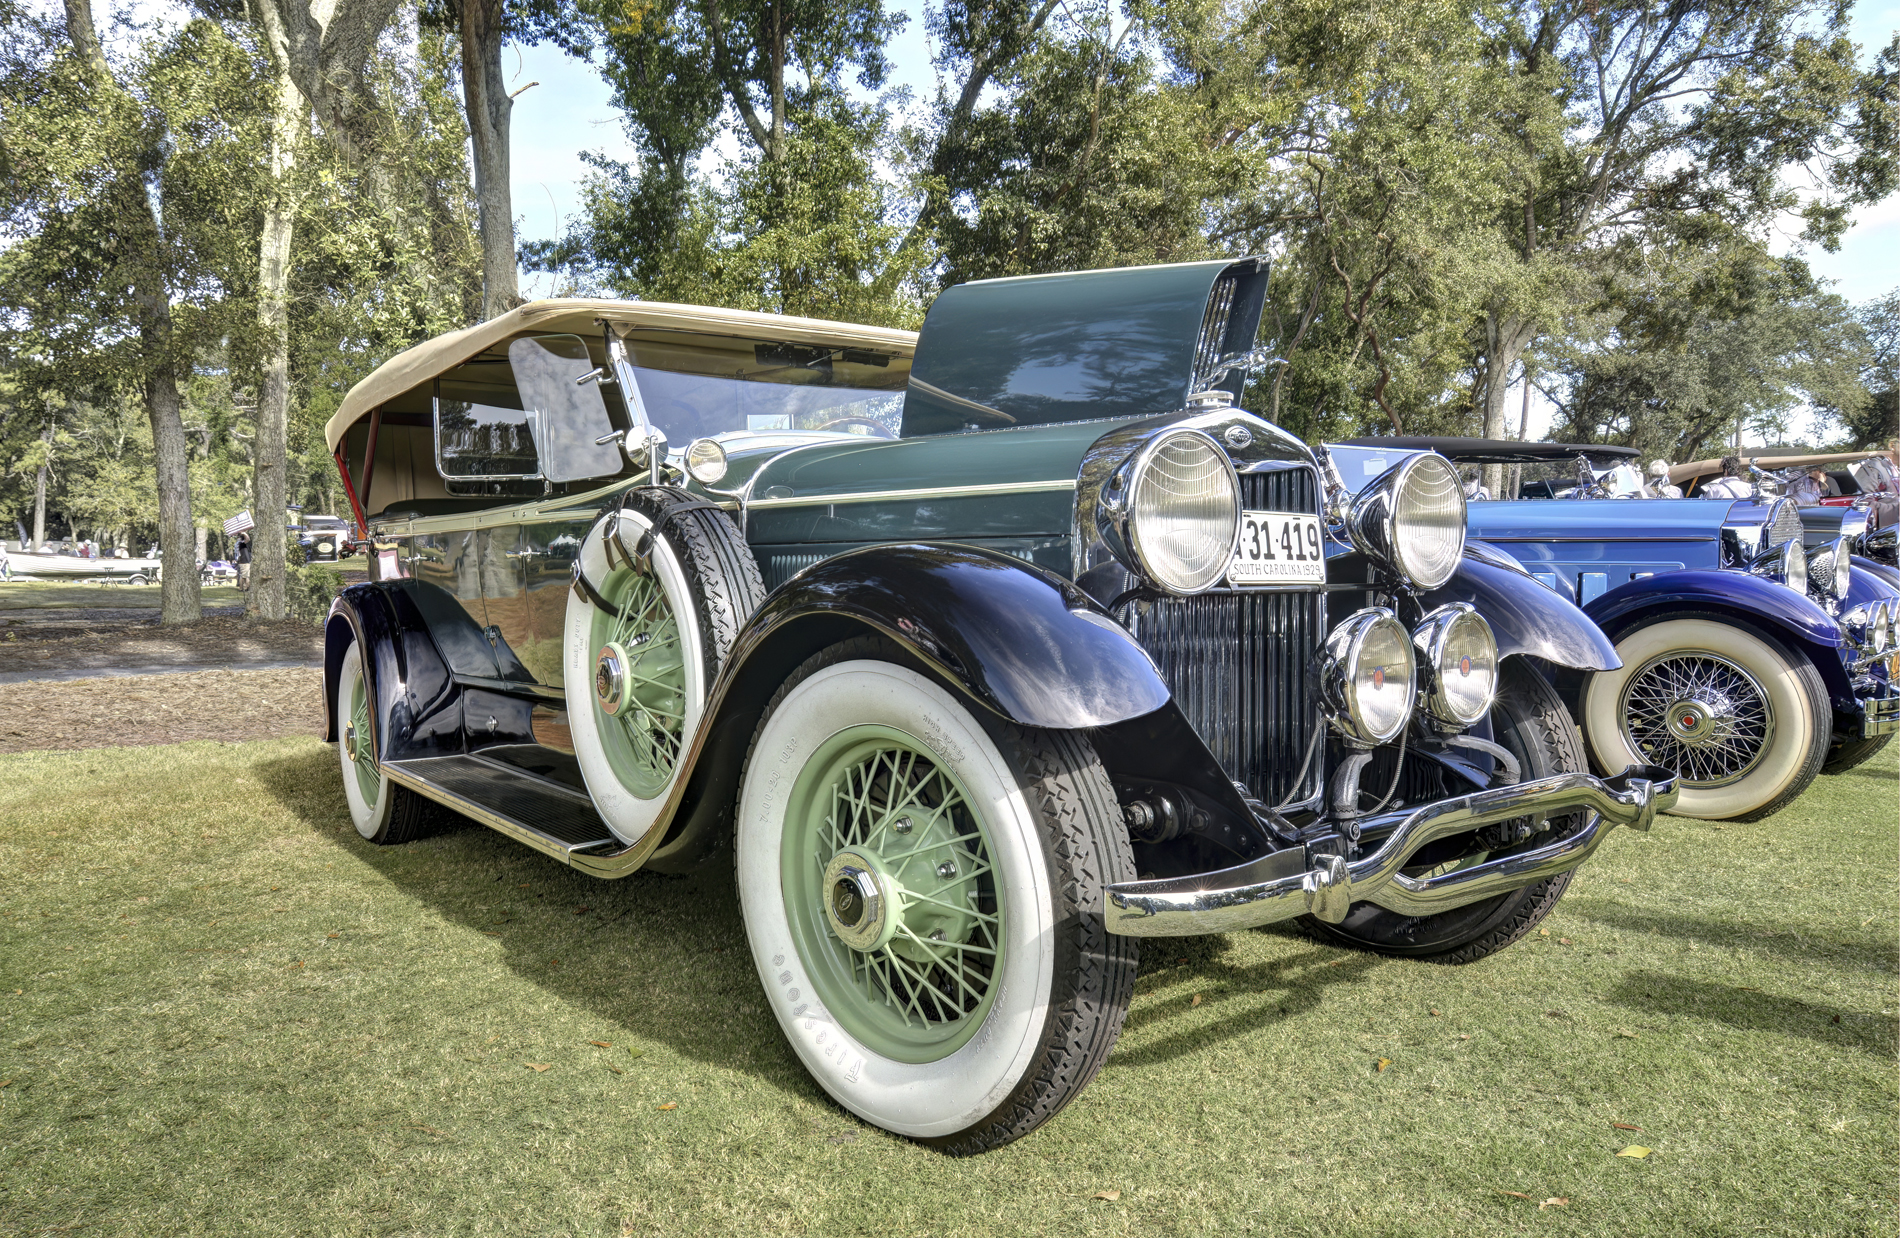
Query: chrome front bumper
column 1281, row 886
column 1880, row 715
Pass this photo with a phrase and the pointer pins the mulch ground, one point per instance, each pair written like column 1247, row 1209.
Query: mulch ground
column 54, row 642
column 133, row 710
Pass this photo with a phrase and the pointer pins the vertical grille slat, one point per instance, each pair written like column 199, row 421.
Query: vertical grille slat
column 1242, row 665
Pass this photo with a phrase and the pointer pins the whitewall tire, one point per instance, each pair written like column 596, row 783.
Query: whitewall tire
column 638, row 673
column 1742, row 718
column 977, row 990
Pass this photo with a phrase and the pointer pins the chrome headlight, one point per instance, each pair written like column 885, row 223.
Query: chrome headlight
column 1830, row 569
column 705, row 461
column 1785, row 564
column 1180, row 501
column 1369, row 676
column 1870, row 627
column 1412, row 519
column 1461, row 656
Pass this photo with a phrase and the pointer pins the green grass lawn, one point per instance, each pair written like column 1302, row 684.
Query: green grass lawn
column 223, row 1013
column 34, row 594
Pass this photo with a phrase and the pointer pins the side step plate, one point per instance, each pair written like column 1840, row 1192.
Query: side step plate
column 545, row 815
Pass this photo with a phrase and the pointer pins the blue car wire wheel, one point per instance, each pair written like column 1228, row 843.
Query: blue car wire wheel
column 1744, row 719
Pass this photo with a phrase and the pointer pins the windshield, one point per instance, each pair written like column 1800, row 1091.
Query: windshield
column 698, row 386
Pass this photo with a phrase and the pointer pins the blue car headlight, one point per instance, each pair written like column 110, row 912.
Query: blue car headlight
column 1785, row 564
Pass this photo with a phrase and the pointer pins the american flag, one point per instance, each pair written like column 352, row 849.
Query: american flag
column 238, row 523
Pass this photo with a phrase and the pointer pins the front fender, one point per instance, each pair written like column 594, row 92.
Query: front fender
column 1735, row 593
column 1872, row 568
column 1023, row 643
column 1792, row 617
column 1527, row 617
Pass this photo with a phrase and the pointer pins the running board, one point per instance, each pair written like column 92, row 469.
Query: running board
column 545, row 815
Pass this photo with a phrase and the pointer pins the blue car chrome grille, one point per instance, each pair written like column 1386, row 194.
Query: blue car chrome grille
column 1242, row 664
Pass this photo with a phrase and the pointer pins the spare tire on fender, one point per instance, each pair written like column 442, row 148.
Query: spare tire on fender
column 665, row 581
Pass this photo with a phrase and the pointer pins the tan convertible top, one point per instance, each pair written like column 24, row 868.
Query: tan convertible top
column 577, row 316
column 1767, row 459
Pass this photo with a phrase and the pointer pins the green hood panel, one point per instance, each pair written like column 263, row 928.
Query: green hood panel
column 999, row 483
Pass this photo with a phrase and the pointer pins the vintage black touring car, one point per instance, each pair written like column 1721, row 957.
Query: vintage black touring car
column 979, row 653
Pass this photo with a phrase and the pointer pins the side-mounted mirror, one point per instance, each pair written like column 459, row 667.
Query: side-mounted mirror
column 572, row 430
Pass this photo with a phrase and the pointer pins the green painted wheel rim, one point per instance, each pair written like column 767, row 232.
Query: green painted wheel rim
column 642, row 741
column 364, row 758
column 923, row 995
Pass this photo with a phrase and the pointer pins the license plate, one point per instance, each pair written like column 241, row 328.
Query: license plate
column 1278, row 548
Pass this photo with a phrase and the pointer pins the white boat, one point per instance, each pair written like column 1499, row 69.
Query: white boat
column 35, row 565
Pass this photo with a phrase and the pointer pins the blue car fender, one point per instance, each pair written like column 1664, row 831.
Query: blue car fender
column 1791, row 617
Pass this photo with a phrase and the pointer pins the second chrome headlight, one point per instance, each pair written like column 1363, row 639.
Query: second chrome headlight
column 1412, row 519
column 1831, row 570
column 1369, row 676
column 1181, row 502
column 1460, row 655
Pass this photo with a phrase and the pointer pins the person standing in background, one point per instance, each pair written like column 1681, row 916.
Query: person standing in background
column 244, row 560
column 1659, row 480
column 1732, row 484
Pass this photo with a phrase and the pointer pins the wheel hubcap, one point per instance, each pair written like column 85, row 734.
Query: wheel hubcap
column 1700, row 714
column 890, row 893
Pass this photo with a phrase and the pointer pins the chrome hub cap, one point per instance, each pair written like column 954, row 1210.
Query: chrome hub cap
column 610, row 678
column 861, row 902
column 349, row 742
column 1699, row 714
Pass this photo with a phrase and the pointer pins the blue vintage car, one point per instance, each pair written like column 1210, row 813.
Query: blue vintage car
column 1751, row 663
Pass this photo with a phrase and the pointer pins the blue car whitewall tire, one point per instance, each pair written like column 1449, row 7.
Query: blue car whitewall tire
column 1744, row 719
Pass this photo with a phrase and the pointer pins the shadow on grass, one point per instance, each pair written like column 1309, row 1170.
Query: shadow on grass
column 667, row 956
column 663, row 957
column 1259, row 995
column 1749, row 1011
column 1873, row 951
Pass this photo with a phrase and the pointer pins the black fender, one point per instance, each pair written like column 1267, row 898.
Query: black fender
column 408, row 639
column 1022, row 642
column 1793, row 618
column 1526, row 617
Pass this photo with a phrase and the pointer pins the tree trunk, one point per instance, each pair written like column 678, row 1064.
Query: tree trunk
column 273, row 387
column 144, row 243
column 39, row 492
column 1505, row 338
column 180, row 600
column 486, row 96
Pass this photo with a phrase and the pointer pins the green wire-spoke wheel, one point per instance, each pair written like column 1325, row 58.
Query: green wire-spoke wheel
column 894, row 899
column 922, row 887
column 639, row 682
column 666, row 583
column 356, row 736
